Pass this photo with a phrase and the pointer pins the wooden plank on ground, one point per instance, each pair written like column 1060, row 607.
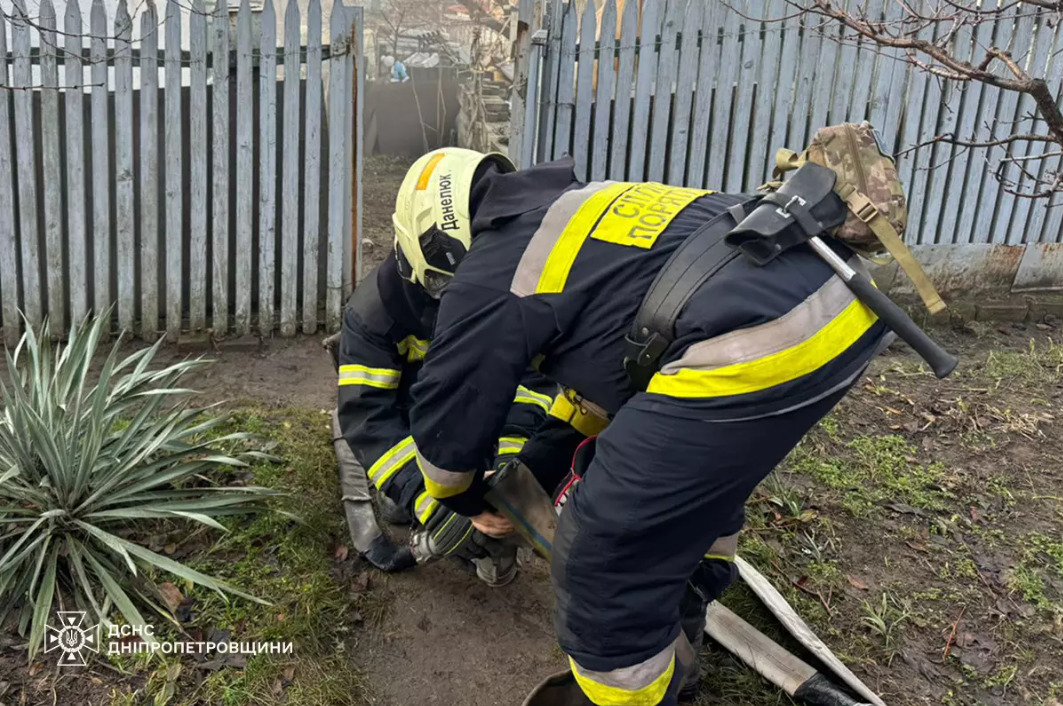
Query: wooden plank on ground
column 566, row 83
column 8, row 242
column 51, row 171
column 581, row 132
column 267, row 166
column 625, row 81
column 173, row 171
column 603, row 98
column 290, row 170
column 245, row 169
column 25, row 164
column 124, row 217
column 149, row 173
column 312, row 170
column 220, row 177
column 74, row 110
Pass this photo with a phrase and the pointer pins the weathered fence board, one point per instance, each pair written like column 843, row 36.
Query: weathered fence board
column 338, row 118
column 738, row 151
column 551, row 65
column 8, row 242
column 220, row 175
column 709, row 60
column 723, row 102
column 662, row 99
column 604, row 94
column 149, row 174
column 25, row 162
column 197, row 180
column 290, row 172
column 1046, row 220
column 243, row 254
column 125, row 247
column 312, row 166
column 581, row 132
column 625, row 81
column 52, row 184
column 267, row 170
column 647, row 74
column 685, row 88
column 566, row 87
column 74, row 111
column 173, row 172
column 766, row 83
column 100, row 129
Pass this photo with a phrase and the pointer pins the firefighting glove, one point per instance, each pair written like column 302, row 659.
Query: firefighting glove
column 449, row 534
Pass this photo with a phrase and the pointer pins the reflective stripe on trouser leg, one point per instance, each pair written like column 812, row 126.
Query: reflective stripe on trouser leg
column 643, row 684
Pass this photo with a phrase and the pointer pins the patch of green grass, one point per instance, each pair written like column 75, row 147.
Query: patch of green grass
column 1028, row 582
column 885, row 616
column 1039, row 364
column 873, row 469
column 284, row 557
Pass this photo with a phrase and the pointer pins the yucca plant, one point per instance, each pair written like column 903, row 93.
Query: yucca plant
column 89, row 458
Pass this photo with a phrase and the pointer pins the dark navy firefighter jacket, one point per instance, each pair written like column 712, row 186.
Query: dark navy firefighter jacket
column 554, row 278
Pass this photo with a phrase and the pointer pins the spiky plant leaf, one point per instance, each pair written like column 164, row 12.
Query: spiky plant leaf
column 86, row 460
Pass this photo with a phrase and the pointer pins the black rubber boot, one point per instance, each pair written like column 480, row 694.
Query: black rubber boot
column 389, row 557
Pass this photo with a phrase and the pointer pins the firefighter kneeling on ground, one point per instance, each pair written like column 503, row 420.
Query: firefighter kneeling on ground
column 553, row 273
column 387, row 326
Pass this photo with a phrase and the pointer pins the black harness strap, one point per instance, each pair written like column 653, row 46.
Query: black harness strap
column 699, row 257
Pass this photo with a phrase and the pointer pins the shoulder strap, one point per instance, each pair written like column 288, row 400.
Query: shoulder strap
column 697, row 259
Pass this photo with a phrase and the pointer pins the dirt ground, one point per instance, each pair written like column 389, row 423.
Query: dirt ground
column 919, row 529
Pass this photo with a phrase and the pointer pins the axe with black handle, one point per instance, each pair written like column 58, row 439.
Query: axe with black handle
column 515, row 493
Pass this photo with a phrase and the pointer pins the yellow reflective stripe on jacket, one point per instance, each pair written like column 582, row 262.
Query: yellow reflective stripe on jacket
column 760, row 357
column 581, row 419
column 389, row 464
column 511, row 444
column 643, row 684
column 383, row 378
column 526, row 396
column 563, row 255
column 413, row 348
column 441, row 483
column 425, row 507
column 724, row 548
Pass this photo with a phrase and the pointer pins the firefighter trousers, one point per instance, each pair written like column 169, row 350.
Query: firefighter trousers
column 657, row 512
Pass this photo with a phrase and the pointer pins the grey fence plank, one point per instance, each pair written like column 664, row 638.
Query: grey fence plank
column 911, row 136
column 1016, row 34
column 708, row 61
column 548, row 92
column 824, row 85
column 845, row 56
column 1043, row 213
column 625, row 81
column 929, row 111
column 73, row 103
column 647, row 73
column 684, row 93
column 1017, row 222
column 889, row 82
column 804, row 86
column 8, row 244
column 197, row 173
column 956, row 198
column 566, row 82
column 245, row 167
column 789, row 58
column 220, row 176
column 581, row 135
column 864, row 72
column 53, row 197
column 267, row 152
column 662, row 95
column 741, row 132
column 603, row 97
column 942, row 153
column 356, row 65
column 174, row 186
column 339, row 134
column 290, row 171
column 312, row 162
column 124, row 218
column 730, row 59
column 25, row 164
column 975, row 122
column 761, row 146
column 99, row 129
column 149, row 173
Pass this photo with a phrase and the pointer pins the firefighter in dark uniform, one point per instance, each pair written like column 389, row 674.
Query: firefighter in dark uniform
column 387, row 328
column 553, row 277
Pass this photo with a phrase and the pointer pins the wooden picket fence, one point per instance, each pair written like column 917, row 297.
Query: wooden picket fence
column 145, row 182
column 706, row 97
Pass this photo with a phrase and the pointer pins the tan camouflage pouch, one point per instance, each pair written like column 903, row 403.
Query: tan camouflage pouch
column 869, row 185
